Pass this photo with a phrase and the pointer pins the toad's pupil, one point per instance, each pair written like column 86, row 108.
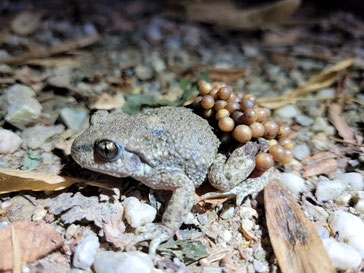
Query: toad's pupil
column 107, row 149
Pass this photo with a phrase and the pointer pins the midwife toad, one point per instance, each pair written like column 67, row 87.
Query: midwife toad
column 168, row 148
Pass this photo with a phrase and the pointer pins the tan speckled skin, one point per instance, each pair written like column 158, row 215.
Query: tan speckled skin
column 169, row 148
column 167, row 139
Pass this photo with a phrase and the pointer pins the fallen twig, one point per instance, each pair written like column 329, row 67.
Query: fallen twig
column 62, row 48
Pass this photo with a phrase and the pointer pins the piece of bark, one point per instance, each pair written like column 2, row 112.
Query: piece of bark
column 295, row 242
column 324, row 166
column 337, row 119
column 35, row 240
column 228, row 14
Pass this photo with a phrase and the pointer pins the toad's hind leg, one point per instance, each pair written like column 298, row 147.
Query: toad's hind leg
column 176, row 212
column 226, row 173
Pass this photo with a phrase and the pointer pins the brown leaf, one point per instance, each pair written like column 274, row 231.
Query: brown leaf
column 295, row 241
column 317, row 156
column 108, row 102
column 337, row 119
column 232, row 16
column 324, row 166
column 35, row 240
column 17, row 180
column 58, row 49
column 226, row 74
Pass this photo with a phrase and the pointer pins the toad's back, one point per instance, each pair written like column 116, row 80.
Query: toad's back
column 171, row 138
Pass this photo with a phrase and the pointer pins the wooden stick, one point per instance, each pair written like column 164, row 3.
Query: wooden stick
column 295, row 241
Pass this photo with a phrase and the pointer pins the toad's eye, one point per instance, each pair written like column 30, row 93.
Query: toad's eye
column 107, row 150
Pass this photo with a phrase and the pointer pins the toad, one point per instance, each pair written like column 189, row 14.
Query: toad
column 167, row 148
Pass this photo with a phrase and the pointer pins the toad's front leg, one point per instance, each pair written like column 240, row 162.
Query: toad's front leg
column 176, row 212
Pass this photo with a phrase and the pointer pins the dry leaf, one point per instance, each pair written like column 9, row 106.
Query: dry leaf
column 247, row 231
column 17, row 180
column 108, row 102
column 324, row 166
column 228, row 14
column 26, row 22
column 337, row 119
column 295, row 241
column 322, row 80
column 317, row 156
column 35, row 240
column 58, row 49
column 226, row 74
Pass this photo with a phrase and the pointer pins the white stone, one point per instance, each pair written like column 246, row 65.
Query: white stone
column 304, row 120
column 35, row 136
column 228, row 211
column 123, row 262
column 343, row 256
column 354, row 180
column 350, row 229
column 137, row 213
column 287, row 112
column 360, row 206
column 326, row 93
column 322, row 125
column 85, row 252
column 293, row 182
column 22, row 108
column 226, row 236
column 9, row 141
column 300, row 151
column 329, row 189
column 344, row 198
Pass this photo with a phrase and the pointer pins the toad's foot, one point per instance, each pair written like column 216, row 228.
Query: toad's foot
column 178, row 207
column 246, row 187
column 157, row 233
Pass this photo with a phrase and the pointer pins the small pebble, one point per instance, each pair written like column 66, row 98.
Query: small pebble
column 39, row 214
column 323, row 232
column 212, row 269
column 359, row 206
column 74, row 118
column 23, row 108
column 322, row 125
column 350, row 229
column 143, row 72
column 260, row 266
column 226, row 236
column 137, row 213
column 85, row 252
column 123, row 262
column 300, row 151
column 343, row 199
column 354, row 180
column 287, row 112
column 9, row 141
column 343, row 256
column 227, row 212
column 329, row 189
column 326, row 93
column 191, row 219
column 304, row 120
column 202, row 219
column 34, row 137
column 292, row 182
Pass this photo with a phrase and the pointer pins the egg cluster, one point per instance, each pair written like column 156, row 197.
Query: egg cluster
column 237, row 116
